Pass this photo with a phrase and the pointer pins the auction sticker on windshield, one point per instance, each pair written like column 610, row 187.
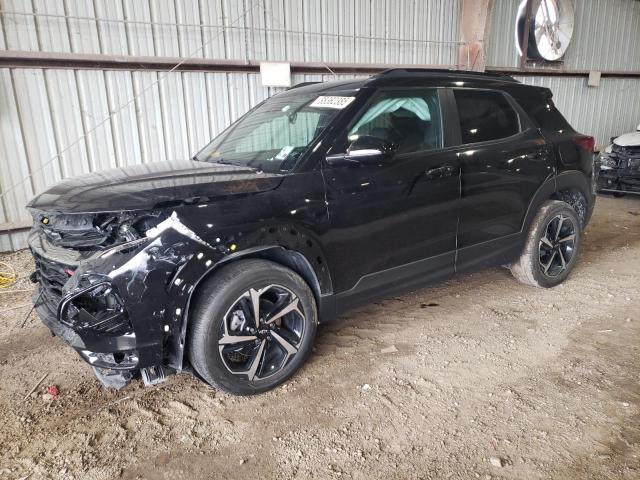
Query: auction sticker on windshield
column 329, row 101
column 284, row 153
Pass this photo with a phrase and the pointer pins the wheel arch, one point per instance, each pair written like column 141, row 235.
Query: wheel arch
column 286, row 257
column 571, row 186
column 320, row 284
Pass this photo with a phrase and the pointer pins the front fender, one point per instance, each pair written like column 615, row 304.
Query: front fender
column 141, row 273
column 277, row 241
column 156, row 277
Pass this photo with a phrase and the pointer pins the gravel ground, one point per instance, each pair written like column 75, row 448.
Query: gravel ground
column 480, row 377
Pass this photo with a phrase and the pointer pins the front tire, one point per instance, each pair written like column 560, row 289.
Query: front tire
column 551, row 250
column 252, row 326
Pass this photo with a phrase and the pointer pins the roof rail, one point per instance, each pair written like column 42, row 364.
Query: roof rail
column 302, row 84
column 468, row 73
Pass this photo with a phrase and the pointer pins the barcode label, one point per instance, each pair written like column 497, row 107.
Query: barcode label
column 332, row 102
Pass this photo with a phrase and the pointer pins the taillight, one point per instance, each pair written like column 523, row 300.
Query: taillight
column 585, row 142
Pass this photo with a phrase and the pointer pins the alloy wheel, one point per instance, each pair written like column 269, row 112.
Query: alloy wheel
column 557, row 245
column 261, row 331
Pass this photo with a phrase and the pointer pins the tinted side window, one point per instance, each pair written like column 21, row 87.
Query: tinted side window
column 485, row 115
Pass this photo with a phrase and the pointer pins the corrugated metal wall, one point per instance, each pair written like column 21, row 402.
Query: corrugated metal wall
column 347, row 31
column 606, row 35
column 42, row 112
column 611, row 109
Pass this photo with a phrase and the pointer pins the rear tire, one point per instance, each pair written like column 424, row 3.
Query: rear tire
column 232, row 351
column 552, row 247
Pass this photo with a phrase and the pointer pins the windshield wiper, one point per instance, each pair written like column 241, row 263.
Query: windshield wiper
column 222, row 161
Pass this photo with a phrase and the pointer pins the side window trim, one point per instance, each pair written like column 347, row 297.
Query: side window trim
column 450, row 119
column 526, row 122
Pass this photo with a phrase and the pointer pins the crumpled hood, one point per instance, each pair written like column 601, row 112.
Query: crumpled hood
column 140, row 187
column 628, row 140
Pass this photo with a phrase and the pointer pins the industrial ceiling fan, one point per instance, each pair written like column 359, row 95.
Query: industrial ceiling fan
column 550, row 28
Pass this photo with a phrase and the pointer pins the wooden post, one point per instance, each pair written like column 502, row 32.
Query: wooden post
column 474, row 26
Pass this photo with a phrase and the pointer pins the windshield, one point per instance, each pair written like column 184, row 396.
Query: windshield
column 274, row 136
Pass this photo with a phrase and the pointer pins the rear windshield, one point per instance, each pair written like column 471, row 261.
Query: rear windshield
column 545, row 114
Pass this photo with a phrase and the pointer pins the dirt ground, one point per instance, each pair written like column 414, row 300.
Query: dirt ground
column 480, row 377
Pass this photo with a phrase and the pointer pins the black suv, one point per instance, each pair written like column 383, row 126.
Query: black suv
column 322, row 197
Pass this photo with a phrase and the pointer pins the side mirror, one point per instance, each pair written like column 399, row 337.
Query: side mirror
column 638, row 127
column 364, row 150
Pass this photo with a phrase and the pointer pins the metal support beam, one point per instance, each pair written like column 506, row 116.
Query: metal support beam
column 554, row 72
column 78, row 61
column 23, row 59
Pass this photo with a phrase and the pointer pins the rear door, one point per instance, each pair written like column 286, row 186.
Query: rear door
column 504, row 160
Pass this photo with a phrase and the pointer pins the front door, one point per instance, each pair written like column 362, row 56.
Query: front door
column 393, row 224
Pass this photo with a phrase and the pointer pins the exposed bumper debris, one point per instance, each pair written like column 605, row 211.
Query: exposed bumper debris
column 620, row 170
column 112, row 378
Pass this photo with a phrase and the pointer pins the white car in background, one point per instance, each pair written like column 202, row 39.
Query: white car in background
column 620, row 165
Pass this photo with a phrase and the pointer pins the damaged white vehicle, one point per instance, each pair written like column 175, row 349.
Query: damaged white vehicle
column 620, row 165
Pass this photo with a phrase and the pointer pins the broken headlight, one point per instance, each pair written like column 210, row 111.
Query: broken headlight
column 607, row 162
column 126, row 227
column 97, row 308
column 94, row 231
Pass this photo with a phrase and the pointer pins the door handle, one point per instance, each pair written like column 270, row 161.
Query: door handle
column 538, row 155
column 441, row 172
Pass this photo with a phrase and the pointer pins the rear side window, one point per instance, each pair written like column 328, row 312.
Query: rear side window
column 485, row 115
column 545, row 113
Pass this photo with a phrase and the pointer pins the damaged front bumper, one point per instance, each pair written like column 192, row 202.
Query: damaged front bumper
column 620, row 171
column 616, row 181
column 71, row 301
column 122, row 309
